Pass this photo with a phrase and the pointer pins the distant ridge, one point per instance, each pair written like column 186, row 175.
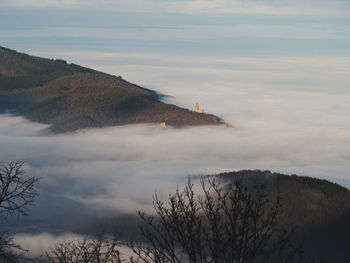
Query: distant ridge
column 319, row 209
column 70, row 97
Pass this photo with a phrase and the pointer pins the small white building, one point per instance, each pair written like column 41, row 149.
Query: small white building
column 197, row 109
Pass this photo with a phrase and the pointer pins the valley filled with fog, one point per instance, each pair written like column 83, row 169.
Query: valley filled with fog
column 103, row 176
column 276, row 71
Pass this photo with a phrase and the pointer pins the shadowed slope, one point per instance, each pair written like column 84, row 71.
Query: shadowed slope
column 319, row 209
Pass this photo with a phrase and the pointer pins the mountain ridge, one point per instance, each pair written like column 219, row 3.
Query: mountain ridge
column 70, row 97
column 318, row 209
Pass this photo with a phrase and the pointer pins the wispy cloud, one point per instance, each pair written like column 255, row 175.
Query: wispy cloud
column 195, row 6
column 42, row 3
column 190, row 32
column 39, row 244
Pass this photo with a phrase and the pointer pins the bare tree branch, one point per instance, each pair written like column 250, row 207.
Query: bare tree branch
column 16, row 191
column 100, row 249
column 225, row 223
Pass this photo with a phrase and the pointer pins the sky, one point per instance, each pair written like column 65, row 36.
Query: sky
column 204, row 27
column 277, row 71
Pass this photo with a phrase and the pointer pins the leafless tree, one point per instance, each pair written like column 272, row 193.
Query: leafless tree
column 100, row 249
column 225, row 223
column 17, row 192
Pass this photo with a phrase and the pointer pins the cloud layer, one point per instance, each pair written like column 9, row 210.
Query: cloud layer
column 289, row 115
column 183, row 33
column 286, row 7
column 38, row 245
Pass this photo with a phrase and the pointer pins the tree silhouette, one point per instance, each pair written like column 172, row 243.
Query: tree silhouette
column 222, row 223
column 100, row 249
column 219, row 223
column 17, row 192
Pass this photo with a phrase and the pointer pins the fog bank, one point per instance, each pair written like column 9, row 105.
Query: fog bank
column 289, row 114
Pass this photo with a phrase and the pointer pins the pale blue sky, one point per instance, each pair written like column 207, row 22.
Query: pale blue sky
column 210, row 27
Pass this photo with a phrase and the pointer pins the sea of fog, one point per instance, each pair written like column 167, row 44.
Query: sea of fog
column 289, row 115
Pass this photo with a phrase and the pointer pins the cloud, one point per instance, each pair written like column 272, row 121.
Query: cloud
column 310, row 7
column 42, row 3
column 289, row 115
column 190, row 32
column 38, row 244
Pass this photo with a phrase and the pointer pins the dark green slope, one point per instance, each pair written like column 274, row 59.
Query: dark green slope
column 71, row 97
column 319, row 209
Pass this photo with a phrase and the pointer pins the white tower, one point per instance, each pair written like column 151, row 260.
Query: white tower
column 197, row 109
